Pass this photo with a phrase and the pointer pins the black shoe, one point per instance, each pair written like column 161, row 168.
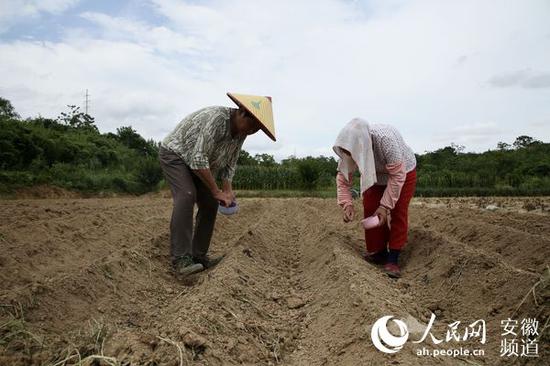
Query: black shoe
column 208, row 262
column 378, row 258
column 185, row 265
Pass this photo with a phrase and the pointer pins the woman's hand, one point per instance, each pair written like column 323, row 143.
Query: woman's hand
column 349, row 213
column 382, row 214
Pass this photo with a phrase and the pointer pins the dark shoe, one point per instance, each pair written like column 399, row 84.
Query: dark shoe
column 392, row 270
column 208, row 262
column 378, row 258
column 186, row 266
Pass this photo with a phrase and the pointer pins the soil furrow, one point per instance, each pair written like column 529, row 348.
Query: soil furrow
column 91, row 276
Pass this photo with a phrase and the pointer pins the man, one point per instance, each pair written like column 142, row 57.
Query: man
column 206, row 144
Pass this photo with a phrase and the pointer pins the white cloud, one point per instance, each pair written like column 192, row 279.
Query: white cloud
column 13, row 11
column 472, row 134
column 158, row 38
column 422, row 66
column 527, row 78
column 128, row 84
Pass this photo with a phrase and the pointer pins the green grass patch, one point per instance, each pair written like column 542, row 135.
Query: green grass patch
column 285, row 193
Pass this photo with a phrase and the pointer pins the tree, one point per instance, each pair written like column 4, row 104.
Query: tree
column 7, row 110
column 265, row 160
column 129, row 137
column 245, row 159
column 503, row 146
column 309, row 171
column 459, row 149
column 76, row 119
column 524, row 141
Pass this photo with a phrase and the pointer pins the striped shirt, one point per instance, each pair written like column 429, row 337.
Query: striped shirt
column 389, row 148
column 203, row 140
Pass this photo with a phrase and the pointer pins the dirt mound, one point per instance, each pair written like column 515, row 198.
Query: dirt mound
column 45, row 191
column 500, row 204
column 89, row 280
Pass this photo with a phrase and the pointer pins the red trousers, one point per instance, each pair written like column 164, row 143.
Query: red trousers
column 381, row 237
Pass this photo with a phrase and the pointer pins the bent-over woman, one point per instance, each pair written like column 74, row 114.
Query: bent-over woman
column 388, row 181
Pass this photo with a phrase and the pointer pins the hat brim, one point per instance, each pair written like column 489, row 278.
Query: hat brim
column 262, row 126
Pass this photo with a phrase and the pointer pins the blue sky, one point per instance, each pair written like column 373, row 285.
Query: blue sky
column 469, row 72
column 50, row 24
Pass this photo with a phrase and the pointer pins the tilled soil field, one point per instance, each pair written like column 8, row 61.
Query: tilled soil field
column 87, row 281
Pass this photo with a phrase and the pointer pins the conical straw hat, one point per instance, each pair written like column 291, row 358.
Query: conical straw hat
column 259, row 107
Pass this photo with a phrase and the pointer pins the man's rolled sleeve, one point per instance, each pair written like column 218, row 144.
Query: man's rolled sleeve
column 199, row 157
column 228, row 172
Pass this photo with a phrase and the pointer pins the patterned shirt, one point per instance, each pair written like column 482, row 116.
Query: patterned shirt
column 388, row 148
column 203, row 140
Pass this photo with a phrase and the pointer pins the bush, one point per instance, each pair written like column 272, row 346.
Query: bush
column 149, row 174
column 256, row 177
column 309, row 173
column 71, row 153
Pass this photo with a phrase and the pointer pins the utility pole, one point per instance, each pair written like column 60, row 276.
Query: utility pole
column 87, row 101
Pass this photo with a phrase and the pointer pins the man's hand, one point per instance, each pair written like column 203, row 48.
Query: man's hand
column 231, row 194
column 207, row 178
column 227, row 188
column 349, row 213
column 225, row 198
column 382, row 214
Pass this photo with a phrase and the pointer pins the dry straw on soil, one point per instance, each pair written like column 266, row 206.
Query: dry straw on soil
column 87, row 282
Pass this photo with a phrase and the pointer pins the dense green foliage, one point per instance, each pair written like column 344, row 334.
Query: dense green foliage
column 520, row 168
column 262, row 172
column 70, row 152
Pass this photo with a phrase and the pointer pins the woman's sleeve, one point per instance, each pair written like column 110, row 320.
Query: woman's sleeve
column 396, row 179
column 343, row 190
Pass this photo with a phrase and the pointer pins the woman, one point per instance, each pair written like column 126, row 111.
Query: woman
column 388, row 180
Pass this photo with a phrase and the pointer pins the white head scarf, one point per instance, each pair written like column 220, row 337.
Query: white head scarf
column 355, row 137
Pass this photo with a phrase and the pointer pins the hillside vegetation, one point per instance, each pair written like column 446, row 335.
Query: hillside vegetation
column 70, row 152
